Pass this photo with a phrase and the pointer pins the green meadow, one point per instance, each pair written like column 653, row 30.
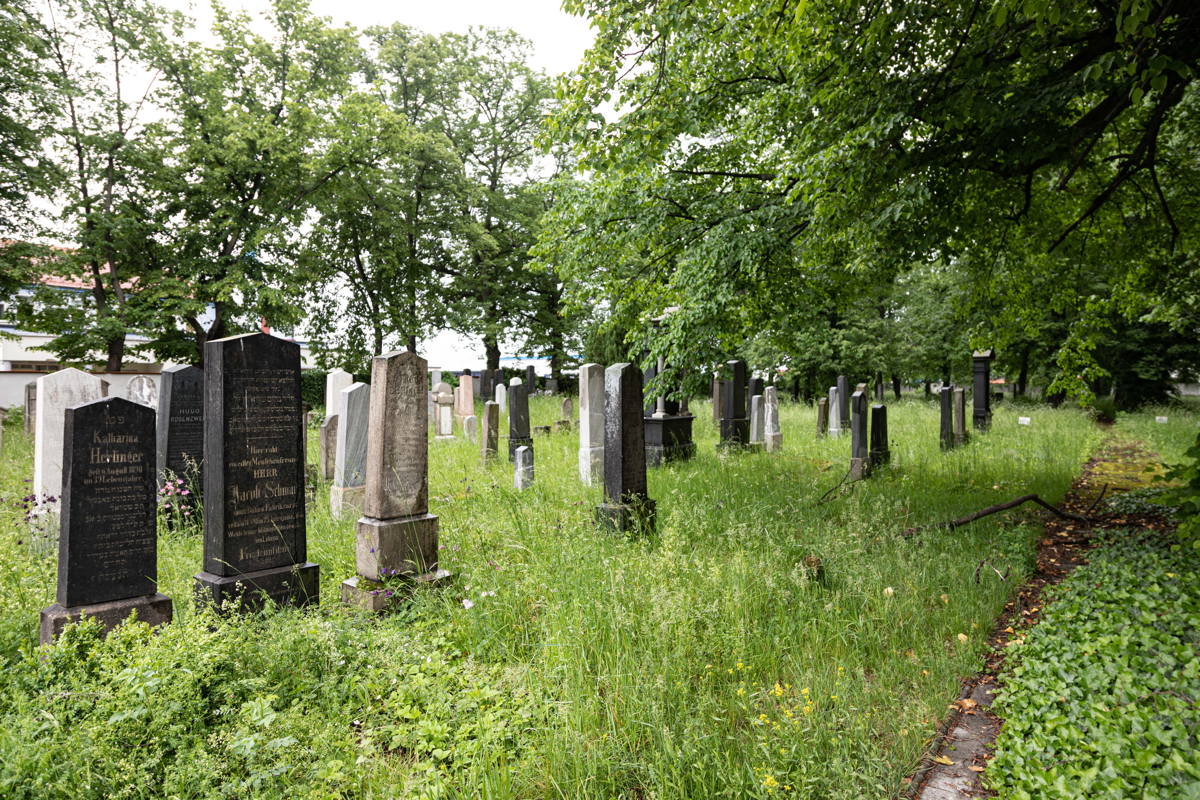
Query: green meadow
column 760, row 643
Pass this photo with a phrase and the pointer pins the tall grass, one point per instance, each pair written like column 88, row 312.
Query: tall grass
column 708, row 660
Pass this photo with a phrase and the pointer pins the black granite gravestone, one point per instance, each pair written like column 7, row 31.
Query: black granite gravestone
column 107, row 562
column 735, row 426
column 530, row 379
column 518, row 419
column 843, row 387
column 880, row 451
column 858, row 435
column 946, row 398
column 254, row 521
column 180, row 447
column 627, row 506
column 757, row 386
column 981, row 365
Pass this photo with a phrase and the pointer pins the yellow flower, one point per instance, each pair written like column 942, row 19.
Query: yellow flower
column 741, row 691
column 769, row 782
column 778, row 690
column 962, row 637
column 804, row 691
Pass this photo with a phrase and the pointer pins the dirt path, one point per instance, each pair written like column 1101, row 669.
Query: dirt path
column 963, row 746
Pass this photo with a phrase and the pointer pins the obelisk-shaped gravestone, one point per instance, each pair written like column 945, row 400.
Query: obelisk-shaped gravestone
column 56, row 392
column 773, row 435
column 960, row 416
column 107, row 556
column 981, row 369
column 349, row 470
column 735, row 427
column 591, row 422
column 858, row 435
column 397, row 536
column 946, row 402
column 489, row 437
column 518, row 417
column 180, row 445
column 835, row 413
column 880, row 452
column 843, row 387
column 254, row 522
column 822, row 417
column 627, row 506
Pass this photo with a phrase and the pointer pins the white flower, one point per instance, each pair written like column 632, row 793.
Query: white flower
column 888, row 592
column 491, row 593
column 468, row 604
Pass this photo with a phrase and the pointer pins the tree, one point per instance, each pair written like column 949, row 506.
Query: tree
column 26, row 105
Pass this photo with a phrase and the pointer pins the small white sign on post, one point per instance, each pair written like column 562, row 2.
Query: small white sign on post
column 1022, row 420
column 1161, row 420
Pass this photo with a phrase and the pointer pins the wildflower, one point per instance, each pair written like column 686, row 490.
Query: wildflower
column 467, row 604
column 741, row 691
column 778, row 690
column 888, row 591
column 769, row 782
column 962, row 637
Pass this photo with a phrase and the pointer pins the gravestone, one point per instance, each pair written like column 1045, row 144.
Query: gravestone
column 756, row 419
column 880, row 449
column 946, row 403
column 523, row 468
column 56, row 392
column 396, row 536
column 327, row 450
column 567, row 410
column 471, row 428
column 518, row 418
column 464, row 397
column 835, row 412
column 30, row 407
column 477, row 388
column 981, row 373
column 142, row 390
column 335, row 381
column 530, row 380
column 757, row 386
column 822, row 417
column 349, row 468
column 627, row 507
column 486, row 385
column 858, row 435
column 489, row 439
column 552, row 385
column 254, row 520
column 735, row 427
column 773, row 437
column 668, row 426
column 107, row 545
column 104, row 385
column 960, row 416
column 591, row 422
column 716, row 398
column 843, row 387
column 435, row 377
column 443, row 409
column 501, row 396
column 180, row 444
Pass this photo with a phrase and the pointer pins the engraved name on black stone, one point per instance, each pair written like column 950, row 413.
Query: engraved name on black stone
column 181, row 415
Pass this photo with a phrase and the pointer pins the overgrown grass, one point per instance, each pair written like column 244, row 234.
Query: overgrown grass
column 705, row 661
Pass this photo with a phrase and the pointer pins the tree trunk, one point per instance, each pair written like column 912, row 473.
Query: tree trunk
column 896, row 386
column 116, row 353
column 945, row 374
column 928, row 388
column 492, row 350
column 412, row 343
column 1023, row 373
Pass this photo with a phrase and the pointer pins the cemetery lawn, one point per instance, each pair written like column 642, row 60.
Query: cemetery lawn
column 714, row 659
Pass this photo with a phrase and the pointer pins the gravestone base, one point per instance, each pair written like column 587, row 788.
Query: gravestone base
column 153, row 609
column 961, row 438
column 346, row 500
column 859, row 469
column 517, row 441
column 379, row 597
column 591, row 463
column 735, row 433
column 982, row 422
column 879, row 458
column 627, row 517
column 294, row 584
column 774, row 442
column 403, row 546
column 668, row 438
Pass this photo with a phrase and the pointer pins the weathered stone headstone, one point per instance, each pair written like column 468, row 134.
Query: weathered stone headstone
column 501, row 396
column 523, row 468
column 960, row 416
column 946, row 403
column 880, row 449
column 180, row 445
column 443, row 405
column 477, row 387
column 627, row 506
column 464, row 397
column 335, row 381
column 591, row 422
column 757, row 427
column 518, row 418
column 843, row 387
column 471, row 428
column 254, row 520
column 142, row 390
column 835, row 412
column 773, row 435
column 567, row 410
column 530, row 380
column 327, row 447
column 858, row 435
column 552, row 385
column 822, row 417
column 107, row 556
column 397, row 536
column 56, row 392
column 30, row 407
column 981, row 368
column 349, row 468
column 489, row 438
column 735, row 427
column 716, row 398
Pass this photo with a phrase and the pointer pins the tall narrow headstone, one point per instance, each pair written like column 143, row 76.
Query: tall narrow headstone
column 858, row 436
column 335, row 381
column 591, row 422
column 530, row 380
column 471, row 428
column 822, row 417
column 880, row 450
column 716, row 398
column 180, row 445
column 773, row 435
column 254, row 520
column 627, row 506
column 835, row 412
column 464, row 397
column 843, row 387
column 946, row 403
column 523, row 468
column 757, row 387
column 435, row 376
column 981, row 373
column 142, row 389
column 757, row 428
column 735, row 427
column 489, row 439
column 107, row 555
column 349, row 469
column 397, row 536
column 443, row 406
column 30, row 407
column 501, row 396
column 518, row 417
column 327, row 447
column 56, row 392
column 960, row 416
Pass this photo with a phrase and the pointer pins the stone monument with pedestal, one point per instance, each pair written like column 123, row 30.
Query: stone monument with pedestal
column 518, row 417
column 627, row 506
column 668, row 427
column 443, row 409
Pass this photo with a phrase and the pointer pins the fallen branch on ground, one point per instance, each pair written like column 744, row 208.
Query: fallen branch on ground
column 1025, row 498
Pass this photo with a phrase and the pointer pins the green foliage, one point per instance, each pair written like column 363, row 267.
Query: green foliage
column 312, row 387
column 1099, row 697
column 1186, row 497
